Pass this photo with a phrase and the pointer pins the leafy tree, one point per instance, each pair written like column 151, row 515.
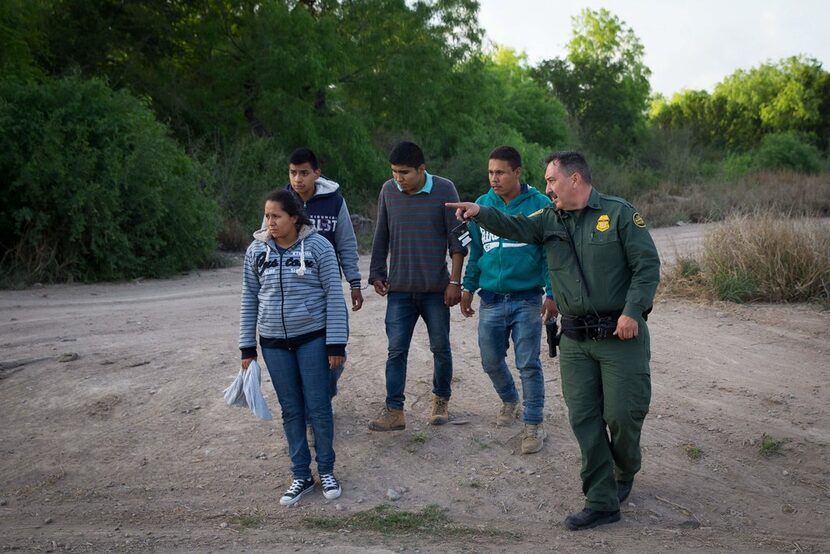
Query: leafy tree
column 790, row 95
column 20, row 38
column 603, row 82
column 787, row 151
column 348, row 79
column 93, row 187
column 503, row 106
column 689, row 110
column 526, row 107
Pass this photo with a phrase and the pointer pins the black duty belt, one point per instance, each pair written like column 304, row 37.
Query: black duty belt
column 594, row 327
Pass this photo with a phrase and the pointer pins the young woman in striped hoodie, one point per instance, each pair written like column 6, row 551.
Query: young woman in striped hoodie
column 292, row 296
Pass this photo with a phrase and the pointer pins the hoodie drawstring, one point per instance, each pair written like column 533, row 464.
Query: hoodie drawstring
column 301, row 271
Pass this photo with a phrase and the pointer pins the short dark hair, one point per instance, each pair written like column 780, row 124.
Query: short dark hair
column 408, row 154
column 571, row 162
column 302, row 156
column 290, row 205
column 507, row 154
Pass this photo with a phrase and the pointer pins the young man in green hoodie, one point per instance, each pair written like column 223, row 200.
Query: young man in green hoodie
column 510, row 278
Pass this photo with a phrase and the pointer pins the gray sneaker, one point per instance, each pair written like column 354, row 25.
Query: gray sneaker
column 533, row 438
column 508, row 414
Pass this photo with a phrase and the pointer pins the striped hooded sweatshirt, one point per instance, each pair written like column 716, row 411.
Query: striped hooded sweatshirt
column 292, row 296
column 329, row 214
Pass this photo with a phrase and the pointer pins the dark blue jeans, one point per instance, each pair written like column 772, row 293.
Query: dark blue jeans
column 334, row 377
column 302, row 379
column 520, row 319
column 402, row 312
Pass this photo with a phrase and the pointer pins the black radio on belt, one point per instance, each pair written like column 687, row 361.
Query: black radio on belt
column 552, row 332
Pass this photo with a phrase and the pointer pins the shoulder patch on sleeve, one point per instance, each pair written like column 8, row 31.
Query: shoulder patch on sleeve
column 638, row 220
column 537, row 213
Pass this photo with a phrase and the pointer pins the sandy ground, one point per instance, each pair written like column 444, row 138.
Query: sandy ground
column 115, row 437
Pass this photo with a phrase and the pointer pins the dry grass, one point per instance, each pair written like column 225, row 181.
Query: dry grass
column 789, row 193
column 758, row 257
column 684, row 279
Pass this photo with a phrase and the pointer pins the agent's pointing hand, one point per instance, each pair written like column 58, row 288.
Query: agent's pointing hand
column 464, row 211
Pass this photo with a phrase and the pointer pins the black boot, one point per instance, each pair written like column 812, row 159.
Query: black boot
column 624, row 489
column 588, row 518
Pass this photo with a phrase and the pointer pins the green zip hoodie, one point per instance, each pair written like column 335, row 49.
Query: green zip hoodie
column 504, row 266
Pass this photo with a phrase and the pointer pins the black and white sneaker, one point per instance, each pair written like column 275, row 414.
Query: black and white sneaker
column 331, row 486
column 298, row 489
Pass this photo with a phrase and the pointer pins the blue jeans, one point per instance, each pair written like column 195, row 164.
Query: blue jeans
column 521, row 319
column 334, row 377
column 402, row 312
column 301, row 377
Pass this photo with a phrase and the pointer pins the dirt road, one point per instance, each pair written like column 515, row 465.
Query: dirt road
column 114, row 435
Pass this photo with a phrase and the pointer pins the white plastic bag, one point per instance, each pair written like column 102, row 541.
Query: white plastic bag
column 233, row 394
column 253, row 392
column 245, row 392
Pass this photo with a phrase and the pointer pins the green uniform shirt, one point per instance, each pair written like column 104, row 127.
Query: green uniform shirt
column 617, row 254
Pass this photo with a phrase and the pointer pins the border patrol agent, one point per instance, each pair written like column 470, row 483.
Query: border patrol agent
column 604, row 270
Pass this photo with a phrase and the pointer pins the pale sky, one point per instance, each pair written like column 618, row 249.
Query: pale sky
column 688, row 44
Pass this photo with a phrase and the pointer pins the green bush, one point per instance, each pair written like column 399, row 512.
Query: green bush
column 628, row 179
column 674, row 156
column 787, row 151
column 735, row 166
column 733, row 284
column 94, row 188
column 467, row 167
column 241, row 173
column 243, row 170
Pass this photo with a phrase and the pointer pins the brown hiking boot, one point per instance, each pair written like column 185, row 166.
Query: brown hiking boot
column 533, row 438
column 508, row 413
column 388, row 420
column 440, row 411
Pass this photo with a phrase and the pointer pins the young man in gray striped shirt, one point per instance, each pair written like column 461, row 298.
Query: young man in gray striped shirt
column 414, row 233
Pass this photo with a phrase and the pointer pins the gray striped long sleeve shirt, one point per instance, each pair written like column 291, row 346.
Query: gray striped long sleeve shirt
column 414, row 232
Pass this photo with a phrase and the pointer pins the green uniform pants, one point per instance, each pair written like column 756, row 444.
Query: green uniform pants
column 607, row 388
